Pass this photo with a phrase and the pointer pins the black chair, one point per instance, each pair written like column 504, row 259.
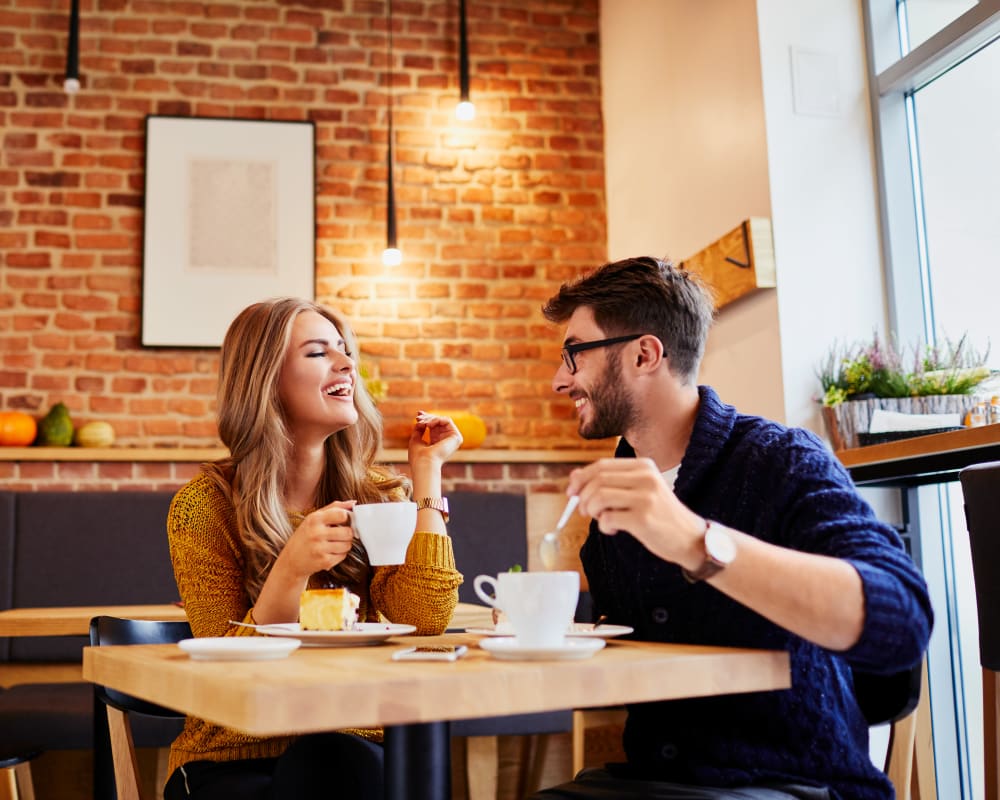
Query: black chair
column 18, row 759
column 162, row 725
column 896, row 700
column 981, row 490
column 882, row 698
column 38, row 717
column 489, row 535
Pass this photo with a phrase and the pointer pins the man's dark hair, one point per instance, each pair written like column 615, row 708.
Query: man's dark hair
column 644, row 295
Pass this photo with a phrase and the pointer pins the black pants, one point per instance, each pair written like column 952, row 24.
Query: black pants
column 599, row 784
column 323, row 765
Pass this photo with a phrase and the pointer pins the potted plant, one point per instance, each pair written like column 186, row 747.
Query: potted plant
column 861, row 377
column 376, row 386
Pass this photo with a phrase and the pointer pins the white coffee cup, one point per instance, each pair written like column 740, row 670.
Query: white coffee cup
column 385, row 529
column 539, row 605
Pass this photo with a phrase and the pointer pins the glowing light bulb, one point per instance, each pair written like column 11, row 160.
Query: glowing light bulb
column 71, row 85
column 465, row 111
column 392, row 257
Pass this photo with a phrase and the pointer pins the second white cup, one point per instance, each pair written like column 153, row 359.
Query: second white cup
column 539, row 605
column 385, row 529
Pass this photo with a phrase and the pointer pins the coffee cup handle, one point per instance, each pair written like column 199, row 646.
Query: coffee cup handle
column 477, row 584
column 352, row 524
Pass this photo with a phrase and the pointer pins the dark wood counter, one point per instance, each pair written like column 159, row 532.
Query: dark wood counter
column 937, row 458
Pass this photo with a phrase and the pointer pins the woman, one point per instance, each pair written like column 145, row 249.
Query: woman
column 252, row 531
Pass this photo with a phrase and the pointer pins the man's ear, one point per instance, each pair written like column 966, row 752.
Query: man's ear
column 650, row 355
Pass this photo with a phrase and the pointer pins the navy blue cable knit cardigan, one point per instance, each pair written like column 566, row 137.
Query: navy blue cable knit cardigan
column 784, row 486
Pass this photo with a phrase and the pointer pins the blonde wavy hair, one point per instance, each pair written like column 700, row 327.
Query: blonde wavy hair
column 252, row 424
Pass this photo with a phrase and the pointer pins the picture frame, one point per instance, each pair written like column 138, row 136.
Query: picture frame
column 230, row 219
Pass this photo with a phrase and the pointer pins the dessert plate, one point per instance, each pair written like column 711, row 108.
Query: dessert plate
column 237, row 648
column 363, row 633
column 577, row 630
column 506, row 648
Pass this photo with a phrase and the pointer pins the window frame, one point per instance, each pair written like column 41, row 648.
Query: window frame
column 910, row 308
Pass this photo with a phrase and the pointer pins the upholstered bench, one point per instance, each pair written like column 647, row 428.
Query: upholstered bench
column 72, row 549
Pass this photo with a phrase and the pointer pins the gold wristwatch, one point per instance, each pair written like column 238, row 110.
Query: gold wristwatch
column 437, row 503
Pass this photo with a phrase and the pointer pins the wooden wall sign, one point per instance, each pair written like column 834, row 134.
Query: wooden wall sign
column 740, row 262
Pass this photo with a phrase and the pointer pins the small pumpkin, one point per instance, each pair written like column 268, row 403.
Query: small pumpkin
column 94, row 434
column 17, row 429
column 471, row 426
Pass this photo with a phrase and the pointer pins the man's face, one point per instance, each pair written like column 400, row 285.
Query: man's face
column 604, row 404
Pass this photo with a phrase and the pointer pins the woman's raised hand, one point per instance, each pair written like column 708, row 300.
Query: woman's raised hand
column 433, row 438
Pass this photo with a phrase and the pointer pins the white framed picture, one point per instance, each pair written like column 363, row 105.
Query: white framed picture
column 229, row 220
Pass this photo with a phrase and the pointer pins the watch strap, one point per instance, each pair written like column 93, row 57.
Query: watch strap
column 437, row 503
column 709, row 567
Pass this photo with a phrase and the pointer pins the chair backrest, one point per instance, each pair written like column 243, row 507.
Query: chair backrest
column 115, row 630
column 120, row 706
column 488, row 535
column 887, row 698
column 896, row 699
column 981, row 490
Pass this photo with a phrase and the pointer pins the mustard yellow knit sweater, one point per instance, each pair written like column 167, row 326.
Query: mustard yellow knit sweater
column 208, row 565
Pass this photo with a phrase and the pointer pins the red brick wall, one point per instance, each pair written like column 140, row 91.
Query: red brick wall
column 493, row 214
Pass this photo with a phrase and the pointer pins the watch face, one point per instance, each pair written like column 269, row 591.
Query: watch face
column 719, row 544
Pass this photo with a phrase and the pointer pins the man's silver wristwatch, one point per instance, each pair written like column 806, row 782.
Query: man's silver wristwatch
column 720, row 550
column 437, row 503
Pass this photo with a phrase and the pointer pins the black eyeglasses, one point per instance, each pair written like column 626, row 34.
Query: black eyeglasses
column 569, row 351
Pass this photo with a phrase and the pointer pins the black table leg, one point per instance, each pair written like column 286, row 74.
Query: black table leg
column 418, row 761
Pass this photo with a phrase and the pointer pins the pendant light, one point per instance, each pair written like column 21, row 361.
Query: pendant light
column 465, row 110
column 391, row 256
column 72, row 83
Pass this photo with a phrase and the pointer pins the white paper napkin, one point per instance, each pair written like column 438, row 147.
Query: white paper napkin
column 887, row 421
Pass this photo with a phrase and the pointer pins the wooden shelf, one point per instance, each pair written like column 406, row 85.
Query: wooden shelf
column 200, row 454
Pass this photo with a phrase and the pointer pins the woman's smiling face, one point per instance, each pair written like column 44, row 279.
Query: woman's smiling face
column 317, row 380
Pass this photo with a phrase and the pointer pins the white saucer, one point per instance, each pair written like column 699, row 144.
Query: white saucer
column 238, row 648
column 507, row 649
column 363, row 633
column 577, row 629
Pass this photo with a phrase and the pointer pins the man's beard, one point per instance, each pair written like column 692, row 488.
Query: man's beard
column 611, row 408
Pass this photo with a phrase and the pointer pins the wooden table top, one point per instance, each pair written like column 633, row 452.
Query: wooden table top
column 316, row 689
column 75, row 620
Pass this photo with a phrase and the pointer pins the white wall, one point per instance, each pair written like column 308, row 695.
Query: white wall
column 822, row 180
column 686, row 161
column 690, row 88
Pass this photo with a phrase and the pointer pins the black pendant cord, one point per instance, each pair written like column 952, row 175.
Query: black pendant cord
column 463, row 54
column 72, row 82
column 390, row 212
column 390, row 220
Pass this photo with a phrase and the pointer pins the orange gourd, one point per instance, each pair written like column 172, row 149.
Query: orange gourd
column 17, row 429
column 472, row 427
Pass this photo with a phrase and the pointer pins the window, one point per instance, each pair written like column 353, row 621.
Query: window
column 921, row 19
column 935, row 76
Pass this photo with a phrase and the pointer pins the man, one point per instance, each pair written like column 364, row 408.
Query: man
column 713, row 527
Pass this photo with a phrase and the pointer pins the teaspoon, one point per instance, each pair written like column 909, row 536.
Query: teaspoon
column 548, row 547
